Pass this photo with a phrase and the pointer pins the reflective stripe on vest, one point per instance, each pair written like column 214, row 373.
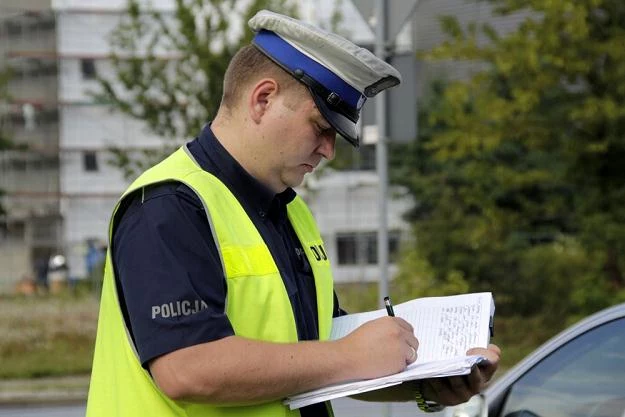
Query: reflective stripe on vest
column 258, row 305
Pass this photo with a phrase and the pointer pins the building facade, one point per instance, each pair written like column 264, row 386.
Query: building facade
column 29, row 172
column 60, row 188
column 89, row 185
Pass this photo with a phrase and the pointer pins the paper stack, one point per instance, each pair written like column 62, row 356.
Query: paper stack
column 446, row 328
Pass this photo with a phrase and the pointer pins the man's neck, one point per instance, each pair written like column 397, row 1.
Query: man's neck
column 240, row 141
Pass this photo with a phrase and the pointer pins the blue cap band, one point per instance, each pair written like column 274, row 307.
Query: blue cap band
column 292, row 59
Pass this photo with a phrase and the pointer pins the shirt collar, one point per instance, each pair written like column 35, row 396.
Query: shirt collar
column 241, row 183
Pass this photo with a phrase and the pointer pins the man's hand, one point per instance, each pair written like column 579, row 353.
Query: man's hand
column 380, row 347
column 458, row 389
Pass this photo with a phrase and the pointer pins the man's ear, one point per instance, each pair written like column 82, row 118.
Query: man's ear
column 261, row 98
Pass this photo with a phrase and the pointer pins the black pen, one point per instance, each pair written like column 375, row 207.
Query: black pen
column 389, row 306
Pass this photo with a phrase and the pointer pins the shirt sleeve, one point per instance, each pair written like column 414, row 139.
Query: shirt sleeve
column 168, row 270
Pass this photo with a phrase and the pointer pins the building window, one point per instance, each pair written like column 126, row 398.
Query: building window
column 47, row 23
column 44, row 230
column 13, row 28
column 90, row 161
column 88, row 69
column 15, row 120
column 44, row 69
column 347, row 249
column 361, row 248
column 49, row 116
column 14, row 230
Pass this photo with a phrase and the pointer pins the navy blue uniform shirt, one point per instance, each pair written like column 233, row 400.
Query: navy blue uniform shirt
column 170, row 278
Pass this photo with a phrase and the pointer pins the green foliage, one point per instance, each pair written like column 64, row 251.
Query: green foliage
column 417, row 278
column 518, row 336
column 169, row 69
column 518, row 170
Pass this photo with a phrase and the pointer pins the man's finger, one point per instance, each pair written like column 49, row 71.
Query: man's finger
column 492, row 355
column 404, row 324
column 475, row 380
column 439, row 390
column 459, row 386
column 412, row 355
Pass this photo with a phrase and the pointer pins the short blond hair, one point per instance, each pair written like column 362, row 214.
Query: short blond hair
column 248, row 65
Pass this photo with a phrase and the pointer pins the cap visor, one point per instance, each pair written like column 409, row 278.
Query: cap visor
column 343, row 126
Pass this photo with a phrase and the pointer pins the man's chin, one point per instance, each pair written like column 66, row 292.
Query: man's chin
column 295, row 181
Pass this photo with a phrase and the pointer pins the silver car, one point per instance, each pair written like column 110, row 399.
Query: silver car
column 578, row 373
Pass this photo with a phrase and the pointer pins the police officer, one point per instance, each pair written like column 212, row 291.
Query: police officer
column 218, row 297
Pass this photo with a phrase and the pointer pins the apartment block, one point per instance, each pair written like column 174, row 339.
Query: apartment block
column 60, row 188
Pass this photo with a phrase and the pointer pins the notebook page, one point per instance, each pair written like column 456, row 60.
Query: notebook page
column 447, row 327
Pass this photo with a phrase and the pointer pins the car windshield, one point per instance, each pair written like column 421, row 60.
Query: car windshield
column 584, row 378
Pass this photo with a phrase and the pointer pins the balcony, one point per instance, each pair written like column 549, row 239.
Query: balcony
column 31, row 183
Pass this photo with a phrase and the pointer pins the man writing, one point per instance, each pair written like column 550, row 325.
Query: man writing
column 213, row 301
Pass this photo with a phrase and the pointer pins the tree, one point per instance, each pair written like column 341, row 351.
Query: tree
column 169, row 68
column 518, row 169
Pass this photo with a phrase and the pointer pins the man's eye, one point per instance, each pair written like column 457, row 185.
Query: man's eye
column 321, row 129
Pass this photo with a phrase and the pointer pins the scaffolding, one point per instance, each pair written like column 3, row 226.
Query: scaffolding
column 29, row 171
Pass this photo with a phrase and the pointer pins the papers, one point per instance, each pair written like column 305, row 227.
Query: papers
column 456, row 366
column 446, row 328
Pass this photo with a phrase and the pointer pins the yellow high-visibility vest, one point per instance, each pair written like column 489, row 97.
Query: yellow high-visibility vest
column 258, row 305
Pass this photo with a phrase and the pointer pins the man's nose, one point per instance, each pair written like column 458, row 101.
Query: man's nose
column 327, row 146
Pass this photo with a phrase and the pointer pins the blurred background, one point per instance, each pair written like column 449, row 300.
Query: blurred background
column 506, row 158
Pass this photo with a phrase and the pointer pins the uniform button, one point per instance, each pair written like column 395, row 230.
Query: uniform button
column 262, row 214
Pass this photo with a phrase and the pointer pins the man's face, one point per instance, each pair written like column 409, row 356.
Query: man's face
column 299, row 137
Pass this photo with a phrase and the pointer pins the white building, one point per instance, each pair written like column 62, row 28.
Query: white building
column 89, row 185
column 29, row 173
column 60, row 192
column 346, row 207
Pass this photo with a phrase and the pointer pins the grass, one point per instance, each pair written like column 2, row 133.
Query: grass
column 46, row 335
